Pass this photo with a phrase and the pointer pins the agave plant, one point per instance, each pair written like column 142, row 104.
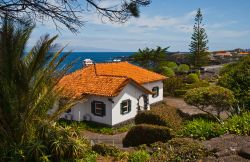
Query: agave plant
column 28, row 89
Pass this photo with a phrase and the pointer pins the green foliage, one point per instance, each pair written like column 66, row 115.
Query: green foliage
column 198, row 45
column 202, row 129
column 139, row 156
column 236, row 77
column 162, row 115
column 171, row 65
column 170, row 85
column 238, row 124
column 176, row 86
column 150, row 58
column 220, row 98
column 146, row 134
column 201, row 83
column 106, row 150
column 89, row 157
column 94, row 127
column 178, row 149
column 28, row 91
column 168, row 72
column 180, row 92
column 206, row 129
column 192, row 78
column 183, row 68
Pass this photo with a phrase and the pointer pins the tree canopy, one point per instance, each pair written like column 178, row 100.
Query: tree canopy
column 222, row 99
column 198, row 45
column 71, row 12
column 150, row 58
column 236, row 77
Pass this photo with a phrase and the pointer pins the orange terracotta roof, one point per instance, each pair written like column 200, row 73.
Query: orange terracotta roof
column 223, row 54
column 99, row 79
column 244, row 53
column 134, row 72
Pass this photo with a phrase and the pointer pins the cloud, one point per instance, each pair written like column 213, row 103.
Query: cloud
column 146, row 23
column 222, row 24
column 221, row 34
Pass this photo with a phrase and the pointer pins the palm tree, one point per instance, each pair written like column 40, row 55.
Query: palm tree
column 150, row 58
column 28, row 87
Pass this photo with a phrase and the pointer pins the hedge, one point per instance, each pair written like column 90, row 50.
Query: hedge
column 146, row 134
column 162, row 115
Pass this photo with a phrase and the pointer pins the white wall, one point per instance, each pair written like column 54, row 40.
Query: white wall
column 151, row 85
column 129, row 92
column 113, row 115
column 82, row 109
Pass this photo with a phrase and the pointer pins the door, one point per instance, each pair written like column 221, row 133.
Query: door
column 142, row 102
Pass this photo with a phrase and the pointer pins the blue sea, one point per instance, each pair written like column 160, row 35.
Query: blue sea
column 97, row 57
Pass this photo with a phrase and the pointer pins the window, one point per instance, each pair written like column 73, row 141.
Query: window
column 98, row 108
column 68, row 111
column 125, row 106
column 155, row 90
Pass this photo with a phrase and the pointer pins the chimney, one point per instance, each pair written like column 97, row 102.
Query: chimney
column 87, row 62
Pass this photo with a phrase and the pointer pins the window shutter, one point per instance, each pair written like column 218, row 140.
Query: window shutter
column 93, row 107
column 103, row 109
column 129, row 105
column 121, row 108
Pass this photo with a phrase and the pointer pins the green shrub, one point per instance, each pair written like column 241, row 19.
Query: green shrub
column 106, row 150
column 192, row 78
column 94, row 127
column 171, row 85
column 178, row 149
column 221, row 99
column 180, row 92
column 168, row 72
column 238, row 124
column 162, row 115
column 171, row 65
column 201, row 83
column 139, row 156
column 202, row 129
column 146, row 134
column 183, row 68
column 89, row 157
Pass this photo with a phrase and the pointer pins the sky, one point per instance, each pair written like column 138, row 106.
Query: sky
column 164, row 23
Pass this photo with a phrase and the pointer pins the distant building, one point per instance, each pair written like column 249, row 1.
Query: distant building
column 243, row 53
column 222, row 54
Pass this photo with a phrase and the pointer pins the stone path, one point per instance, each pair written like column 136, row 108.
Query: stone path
column 188, row 110
column 96, row 138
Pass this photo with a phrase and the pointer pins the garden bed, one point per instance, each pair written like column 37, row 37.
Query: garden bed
column 95, row 127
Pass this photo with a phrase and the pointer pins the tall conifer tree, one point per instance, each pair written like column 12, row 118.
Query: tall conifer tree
column 198, row 45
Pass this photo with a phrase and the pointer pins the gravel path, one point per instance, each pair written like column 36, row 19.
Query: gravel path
column 96, row 138
column 188, row 110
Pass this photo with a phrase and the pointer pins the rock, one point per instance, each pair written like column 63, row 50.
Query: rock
column 232, row 158
column 245, row 152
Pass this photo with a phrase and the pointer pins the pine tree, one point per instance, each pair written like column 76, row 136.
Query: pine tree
column 198, row 46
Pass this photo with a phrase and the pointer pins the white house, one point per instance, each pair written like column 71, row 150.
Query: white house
column 112, row 92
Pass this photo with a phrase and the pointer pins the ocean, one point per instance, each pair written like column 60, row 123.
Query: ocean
column 96, row 57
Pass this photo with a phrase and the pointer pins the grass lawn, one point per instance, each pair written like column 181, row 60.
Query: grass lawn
column 94, row 127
